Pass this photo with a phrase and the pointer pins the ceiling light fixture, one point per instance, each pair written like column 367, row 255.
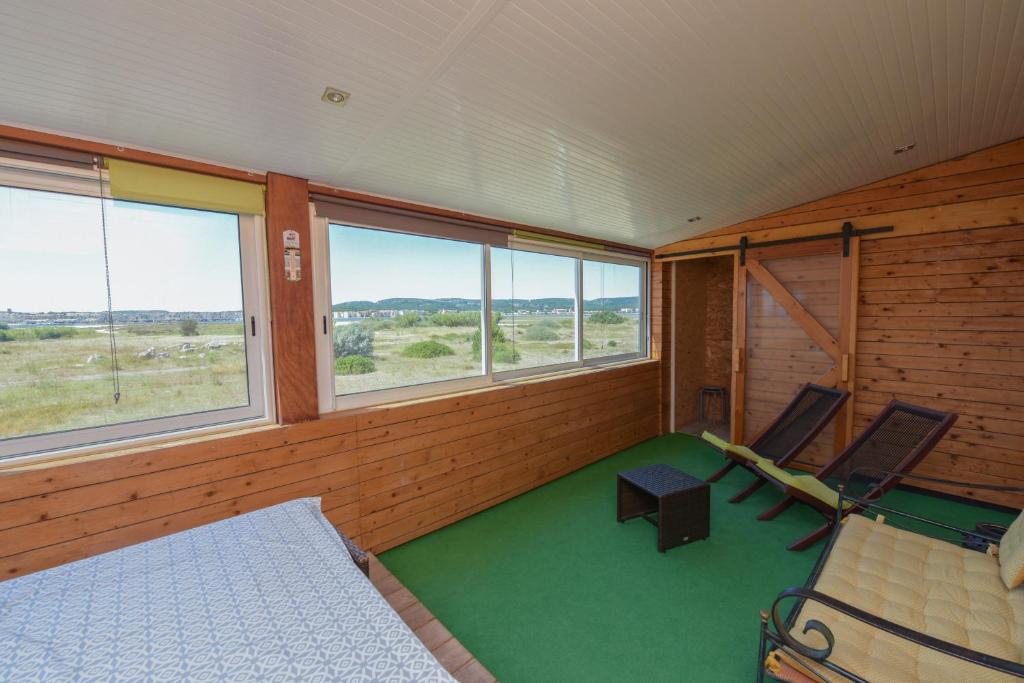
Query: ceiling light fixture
column 693, row 219
column 335, row 96
column 904, row 148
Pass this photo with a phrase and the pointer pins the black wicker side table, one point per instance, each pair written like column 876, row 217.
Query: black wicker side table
column 683, row 503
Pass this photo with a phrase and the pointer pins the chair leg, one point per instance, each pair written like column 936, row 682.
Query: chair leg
column 722, row 472
column 745, row 493
column 812, row 538
column 777, row 509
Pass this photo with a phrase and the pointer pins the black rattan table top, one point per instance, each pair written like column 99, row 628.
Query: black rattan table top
column 661, row 480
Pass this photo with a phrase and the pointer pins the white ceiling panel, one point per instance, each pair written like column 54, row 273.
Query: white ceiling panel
column 611, row 118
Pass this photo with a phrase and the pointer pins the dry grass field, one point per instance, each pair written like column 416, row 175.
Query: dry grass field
column 64, row 381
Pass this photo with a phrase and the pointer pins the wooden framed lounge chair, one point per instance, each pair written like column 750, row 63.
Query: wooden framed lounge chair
column 785, row 438
column 895, row 442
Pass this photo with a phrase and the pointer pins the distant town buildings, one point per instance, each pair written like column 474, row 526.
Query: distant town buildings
column 71, row 318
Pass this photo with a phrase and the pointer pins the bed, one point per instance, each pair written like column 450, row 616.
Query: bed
column 272, row 595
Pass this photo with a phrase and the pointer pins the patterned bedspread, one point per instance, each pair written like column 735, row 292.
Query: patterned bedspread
column 267, row 596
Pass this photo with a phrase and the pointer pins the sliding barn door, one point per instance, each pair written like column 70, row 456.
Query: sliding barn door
column 794, row 325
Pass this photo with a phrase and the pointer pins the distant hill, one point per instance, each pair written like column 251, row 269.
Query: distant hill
column 498, row 305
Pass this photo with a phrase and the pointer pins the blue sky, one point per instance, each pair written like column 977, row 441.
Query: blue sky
column 51, row 259
column 51, row 255
column 372, row 265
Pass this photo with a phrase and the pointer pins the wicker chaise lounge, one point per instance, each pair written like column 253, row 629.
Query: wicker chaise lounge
column 785, row 438
column 895, row 442
column 887, row 604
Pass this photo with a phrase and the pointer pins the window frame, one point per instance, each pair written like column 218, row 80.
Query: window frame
column 330, row 402
column 259, row 368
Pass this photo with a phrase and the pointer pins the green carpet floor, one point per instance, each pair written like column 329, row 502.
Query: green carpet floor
column 549, row 587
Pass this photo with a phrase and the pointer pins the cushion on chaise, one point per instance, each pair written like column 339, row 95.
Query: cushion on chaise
column 928, row 585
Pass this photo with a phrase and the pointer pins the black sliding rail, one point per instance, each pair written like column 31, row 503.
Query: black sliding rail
column 744, row 244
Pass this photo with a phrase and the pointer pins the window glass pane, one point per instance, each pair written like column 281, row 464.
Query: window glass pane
column 534, row 301
column 176, row 281
column 611, row 309
column 407, row 309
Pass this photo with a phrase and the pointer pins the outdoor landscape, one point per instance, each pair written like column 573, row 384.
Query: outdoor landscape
column 55, row 377
column 56, row 372
column 398, row 342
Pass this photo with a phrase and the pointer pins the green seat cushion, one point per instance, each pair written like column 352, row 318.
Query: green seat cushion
column 742, row 451
column 806, row 483
column 776, row 472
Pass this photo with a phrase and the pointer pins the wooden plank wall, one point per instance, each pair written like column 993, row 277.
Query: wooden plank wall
column 941, row 307
column 385, row 475
column 703, row 332
column 941, row 323
column 661, row 338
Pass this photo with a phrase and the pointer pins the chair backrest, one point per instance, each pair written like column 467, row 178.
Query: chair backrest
column 893, row 444
column 803, row 419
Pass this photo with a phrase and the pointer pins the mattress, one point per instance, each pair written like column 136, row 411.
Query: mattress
column 267, row 596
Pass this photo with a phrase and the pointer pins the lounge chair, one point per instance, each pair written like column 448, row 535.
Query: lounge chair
column 785, row 438
column 895, row 442
column 884, row 603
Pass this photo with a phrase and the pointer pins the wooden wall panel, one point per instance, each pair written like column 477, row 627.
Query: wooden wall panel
column 940, row 303
column 661, row 337
column 949, row 347
column 385, row 475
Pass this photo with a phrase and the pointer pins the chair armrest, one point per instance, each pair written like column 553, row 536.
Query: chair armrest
column 358, row 555
column 821, row 655
column 868, row 502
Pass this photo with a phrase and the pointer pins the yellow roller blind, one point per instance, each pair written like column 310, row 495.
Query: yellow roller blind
column 156, row 185
column 540, row 237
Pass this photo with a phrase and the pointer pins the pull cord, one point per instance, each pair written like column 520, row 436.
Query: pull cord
column 110, row 301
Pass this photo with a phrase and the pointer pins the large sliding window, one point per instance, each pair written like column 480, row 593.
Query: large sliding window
column 122, row 319
column 405, row 315
column 534, row 307
column 612, row 322
column 405, row 310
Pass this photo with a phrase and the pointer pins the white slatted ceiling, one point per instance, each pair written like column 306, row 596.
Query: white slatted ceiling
column 611, row 118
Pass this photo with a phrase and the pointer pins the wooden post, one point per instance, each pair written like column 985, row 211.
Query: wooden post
column 739, row 349
column 291, row 301
column 849, row 273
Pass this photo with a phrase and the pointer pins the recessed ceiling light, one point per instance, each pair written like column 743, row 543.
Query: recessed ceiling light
column 904, row 148
column 335, row 96
column 694, row 219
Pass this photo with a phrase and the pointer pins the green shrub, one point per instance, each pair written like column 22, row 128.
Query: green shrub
column 539, row 332
column 408, row 320
column 377, row 323
column 606, row 318
column 612, row 344
column 502, row 350
column 4, row 326
column 427, row 349
column 497, row 337
column 353, row 340
column 189, row 328
column 6, row 336
column 54, row 332
column 505, row 353
column 587, row 344
column 456, row 319
column 354, row 365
